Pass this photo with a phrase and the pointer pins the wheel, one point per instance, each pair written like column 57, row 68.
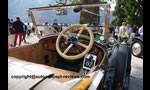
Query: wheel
column 123, row 68
column 137, row 48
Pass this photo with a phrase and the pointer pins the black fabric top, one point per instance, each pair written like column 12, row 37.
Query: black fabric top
column 18, row 26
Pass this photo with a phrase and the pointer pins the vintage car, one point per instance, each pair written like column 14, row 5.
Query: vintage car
column 137, row 46
column 70, row 60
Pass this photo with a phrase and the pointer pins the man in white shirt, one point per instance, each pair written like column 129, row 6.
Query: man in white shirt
column 123, row 31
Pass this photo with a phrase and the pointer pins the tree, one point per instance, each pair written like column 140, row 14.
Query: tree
column 75, row 1
column 134, row 12
column 119, row 12
column 130, row 11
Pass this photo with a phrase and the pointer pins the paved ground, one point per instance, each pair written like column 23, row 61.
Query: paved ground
column 136, row 78
column 29, row 40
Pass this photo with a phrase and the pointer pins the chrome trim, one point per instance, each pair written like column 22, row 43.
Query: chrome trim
column 136, row 49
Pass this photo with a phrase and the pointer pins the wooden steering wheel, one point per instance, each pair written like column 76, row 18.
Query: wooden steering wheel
column 74, row 40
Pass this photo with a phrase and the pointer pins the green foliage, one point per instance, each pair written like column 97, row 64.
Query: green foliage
column 116, row 21
column 75, row 1
column 130, row 11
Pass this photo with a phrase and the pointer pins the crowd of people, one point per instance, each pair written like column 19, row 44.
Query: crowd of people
column 50, row 29
column 125, row 31
column 18, row 28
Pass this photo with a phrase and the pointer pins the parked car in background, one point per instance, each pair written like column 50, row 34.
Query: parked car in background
column 137, row 46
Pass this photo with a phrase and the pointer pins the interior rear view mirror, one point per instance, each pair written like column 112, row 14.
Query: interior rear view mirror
column 61, row 1
column 61, row 12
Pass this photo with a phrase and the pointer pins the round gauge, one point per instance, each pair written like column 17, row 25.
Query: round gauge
column 102, row 38
column 46, row 45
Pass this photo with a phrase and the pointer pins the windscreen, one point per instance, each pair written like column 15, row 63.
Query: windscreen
column 57, row 19
column 64, row 16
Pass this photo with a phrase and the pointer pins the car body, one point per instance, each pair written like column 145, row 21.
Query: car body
column 56, row 61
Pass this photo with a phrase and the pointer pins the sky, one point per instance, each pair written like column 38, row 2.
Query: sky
column 112, row 4
column 16, row 8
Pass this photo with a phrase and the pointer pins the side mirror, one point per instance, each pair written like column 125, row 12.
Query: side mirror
column 77, row 9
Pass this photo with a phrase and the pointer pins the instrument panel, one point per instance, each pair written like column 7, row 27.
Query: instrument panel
column 50, row 44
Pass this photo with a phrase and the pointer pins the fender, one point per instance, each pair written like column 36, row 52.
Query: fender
column 110, row 70
column 140, row 38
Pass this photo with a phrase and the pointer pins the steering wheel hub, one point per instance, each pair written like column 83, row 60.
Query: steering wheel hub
column 72, row 39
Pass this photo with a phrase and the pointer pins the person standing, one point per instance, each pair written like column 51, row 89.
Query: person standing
column 116, row 32
column 132, row 35
column 61, row 26
column 55, row 25
column 11, row 33
column 115, row 26
column 46, row 28
column 129, row 29
column 93, row 26
column 24, row 33
column 111, row 30
column 29, row 29
column 33, row 30
column 123, row 32
column 18, row 27
column 135, row 30
column 11, row 20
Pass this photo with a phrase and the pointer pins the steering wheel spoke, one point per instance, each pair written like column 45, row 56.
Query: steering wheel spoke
column 82, row 45
column 68, row 48
column 82, row 29
column 79, row 33
column 65, row 36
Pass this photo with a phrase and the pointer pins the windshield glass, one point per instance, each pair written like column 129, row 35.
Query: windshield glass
column 56, row 19
column 69, row 16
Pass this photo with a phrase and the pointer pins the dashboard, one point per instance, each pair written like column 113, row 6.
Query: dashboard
column 50, row 45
